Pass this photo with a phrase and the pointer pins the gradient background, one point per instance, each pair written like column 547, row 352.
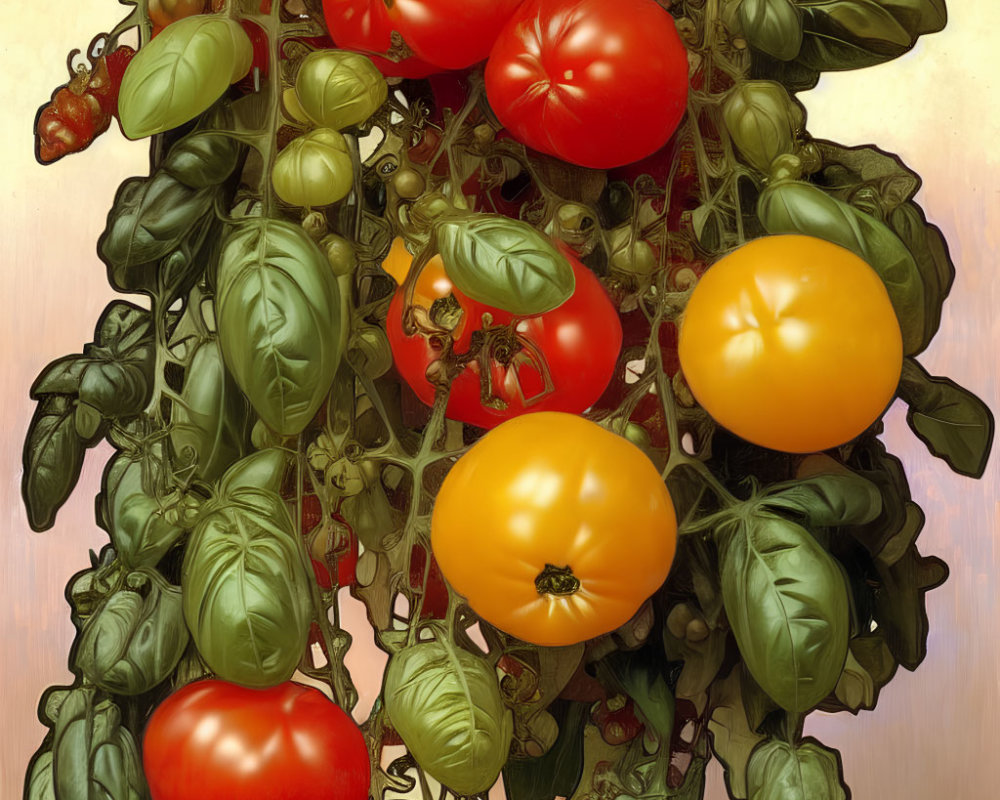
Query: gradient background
column 934, row 731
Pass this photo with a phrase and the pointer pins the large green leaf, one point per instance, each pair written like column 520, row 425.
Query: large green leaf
column 208, row 424
column 278, row 311
column 246, row 595
column 800, row 207
column 780, row 771
column 40, row 783
column 264, row 469
column 135, row 639
column 787, row 604
column 557, row 772
column 505, row 263
column 827, row 500
column 446, row 705
column 202, row 159
column 772, row 26
column 52, row 460
column 954, row 424
column 182, row 72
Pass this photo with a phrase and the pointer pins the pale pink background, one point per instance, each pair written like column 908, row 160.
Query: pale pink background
column 934, row 732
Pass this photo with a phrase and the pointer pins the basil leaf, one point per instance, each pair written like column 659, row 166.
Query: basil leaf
column 800, row 207
column 278, row 312
column 40, row 782
column 60, row 377
column 733, row 738
column 849, row 34
column 780, row 771
column 445, row 703
column 954, row 424
column 557, row 772
column 179, row 74
column 759, row 118
column 246, row 595
column 136, row 638
column 143, row 517
column 93, row 754
column 208, row 424
column 505, row 263
column 827, row 500
column 788, row 607
column 772, row 26
column 52, row 460
column 202, row 159
column 264, row 470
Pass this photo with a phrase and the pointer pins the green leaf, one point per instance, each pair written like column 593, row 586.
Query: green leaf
column 759, row 118
column 445, row 703
column 202, row 159
column 954, row 424
column 505, row 263
column 847, row 170
column 772, row 26
column 788, row 608
column 264, row 470
column 557, row 773
column 40, row 783
column 52, row 460
column 60, row 377
column 780, row 771
column 278, row 312
column 800, row 207
column 141, row 512
column 208, row 423
column 246, row 595
column 733, row 739
column 135, row 639
column 856, row 687
column 827, row 500
column 640, row 676
column 849, row 34
column 179, row 74
column 93, row 754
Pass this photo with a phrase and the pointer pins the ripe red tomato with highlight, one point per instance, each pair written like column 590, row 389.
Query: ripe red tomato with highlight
column 558, row 361
column 598, row 83
column 435, row 35
column 213, row 739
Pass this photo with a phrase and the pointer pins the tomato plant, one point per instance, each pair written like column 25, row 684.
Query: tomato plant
column 595, row 83
column 791, row 342
column 217, row 739
column 574, row 528
column 415, row 38
column 558, row 361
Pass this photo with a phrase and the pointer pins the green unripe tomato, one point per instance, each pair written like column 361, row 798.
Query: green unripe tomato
column 338, row 89
column 314, row 169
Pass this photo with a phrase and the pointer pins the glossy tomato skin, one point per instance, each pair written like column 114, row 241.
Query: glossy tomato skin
column 441, row 34
column 578, row 342
column 791, row 342
column 600, row 83
column 212, row 739
column 554, row 489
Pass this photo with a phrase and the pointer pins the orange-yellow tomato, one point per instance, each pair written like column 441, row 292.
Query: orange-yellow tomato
column 554, row 529
column 163, row 12
column 791, row 343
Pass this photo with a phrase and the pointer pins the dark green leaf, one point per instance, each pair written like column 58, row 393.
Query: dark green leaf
column 827, row 500
column 208, row 424
column 772, row 26
column 640, row 675
column 871, row 461
column 116, row 389
column 505, row 263
column 445, row 703
column 918, row 16
column 733, row 739
column 52, row 460
column 800, row 207
column 557, row 773
column 93, row 754
column 135, row 639
column 278, row 311
column 202, row 159
column 849, row 34
column 60, row 377
column 788, row 608
column 142, row 513
column 780, row 771
column 246, row 595
column 954, row 424
column 846, row 170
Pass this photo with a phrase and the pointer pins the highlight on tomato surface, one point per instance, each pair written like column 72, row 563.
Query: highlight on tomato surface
column 554, row 529
column 791, row 342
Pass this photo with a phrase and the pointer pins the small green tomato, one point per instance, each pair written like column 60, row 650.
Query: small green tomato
column 314, row 169
column 338, row 89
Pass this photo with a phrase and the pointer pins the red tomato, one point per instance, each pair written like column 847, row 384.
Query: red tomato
column 440, row 34
column 598, row 83
column 213, row 739
column 558, row 361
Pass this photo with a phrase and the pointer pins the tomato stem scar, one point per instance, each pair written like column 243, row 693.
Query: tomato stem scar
column 555, row 580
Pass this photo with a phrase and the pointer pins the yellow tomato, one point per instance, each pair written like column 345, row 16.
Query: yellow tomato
column 554, row 529
column 163, row 12
column 791, row 343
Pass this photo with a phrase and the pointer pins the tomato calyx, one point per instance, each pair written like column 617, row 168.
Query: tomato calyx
column 557, row 581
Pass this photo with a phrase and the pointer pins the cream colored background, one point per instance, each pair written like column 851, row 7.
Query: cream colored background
column 934, row 732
